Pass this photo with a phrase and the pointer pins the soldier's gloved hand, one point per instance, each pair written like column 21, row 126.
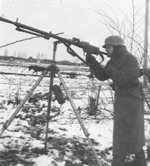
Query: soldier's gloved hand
column 90, row 59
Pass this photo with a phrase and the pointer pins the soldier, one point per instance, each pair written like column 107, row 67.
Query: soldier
column 128, row 130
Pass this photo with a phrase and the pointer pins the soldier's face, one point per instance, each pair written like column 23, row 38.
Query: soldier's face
column 109, row 50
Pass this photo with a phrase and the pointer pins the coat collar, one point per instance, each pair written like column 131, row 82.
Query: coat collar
column 119, row 52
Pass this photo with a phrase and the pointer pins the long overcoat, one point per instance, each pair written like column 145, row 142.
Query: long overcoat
column 128, row 132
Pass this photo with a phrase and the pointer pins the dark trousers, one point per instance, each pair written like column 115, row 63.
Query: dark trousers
column 118, row 160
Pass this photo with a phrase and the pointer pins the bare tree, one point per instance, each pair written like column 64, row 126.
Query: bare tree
column 130, row 28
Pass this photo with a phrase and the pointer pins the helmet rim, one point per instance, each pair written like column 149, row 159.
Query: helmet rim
column 114, row 41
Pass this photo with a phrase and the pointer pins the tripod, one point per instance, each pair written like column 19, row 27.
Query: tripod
column 53, row 69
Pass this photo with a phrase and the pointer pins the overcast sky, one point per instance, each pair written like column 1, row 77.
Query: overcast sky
column 75, row 18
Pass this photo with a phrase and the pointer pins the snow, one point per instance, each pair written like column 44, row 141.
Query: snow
column 45, row 160
column 25, row 137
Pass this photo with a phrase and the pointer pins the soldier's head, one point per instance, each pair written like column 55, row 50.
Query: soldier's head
column 111, row 43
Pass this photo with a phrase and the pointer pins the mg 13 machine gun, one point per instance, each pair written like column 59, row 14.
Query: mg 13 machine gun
column 87, row 48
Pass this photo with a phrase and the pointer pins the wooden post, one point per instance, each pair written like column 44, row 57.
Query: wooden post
column 146, row 40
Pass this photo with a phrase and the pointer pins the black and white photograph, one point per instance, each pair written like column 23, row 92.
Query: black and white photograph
column 74, row 83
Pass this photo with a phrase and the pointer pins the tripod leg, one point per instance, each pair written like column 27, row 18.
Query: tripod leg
column 49, row 107
column 7, row 123
column 79, row 119
column 50, row 92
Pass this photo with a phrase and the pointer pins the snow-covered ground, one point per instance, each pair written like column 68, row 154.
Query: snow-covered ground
column 23, row 143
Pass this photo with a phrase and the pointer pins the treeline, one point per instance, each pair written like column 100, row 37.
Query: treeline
column 34, row 60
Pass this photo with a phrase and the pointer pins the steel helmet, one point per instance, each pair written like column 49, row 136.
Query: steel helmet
column 113, row 40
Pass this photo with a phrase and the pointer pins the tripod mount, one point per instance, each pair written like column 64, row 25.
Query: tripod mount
column 52, row 69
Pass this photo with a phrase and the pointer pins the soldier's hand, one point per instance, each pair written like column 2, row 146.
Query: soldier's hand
column 90, row 59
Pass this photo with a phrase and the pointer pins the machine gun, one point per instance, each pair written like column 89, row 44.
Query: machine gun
column 87, row 48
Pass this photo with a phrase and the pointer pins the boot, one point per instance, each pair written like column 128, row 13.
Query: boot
column 136, row 162
column 140, row 159
column 131, row 163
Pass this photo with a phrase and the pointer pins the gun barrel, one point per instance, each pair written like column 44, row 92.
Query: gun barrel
column 6, row 20
column 48, row 35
